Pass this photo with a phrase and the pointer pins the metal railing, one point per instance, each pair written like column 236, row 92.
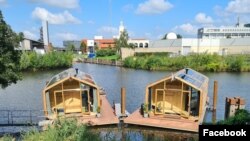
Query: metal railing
column 21, row 117
column 103, row 62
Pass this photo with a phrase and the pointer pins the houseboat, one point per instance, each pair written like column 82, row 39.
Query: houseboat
column 177, row 102
column 71, row 92
column 182, row 94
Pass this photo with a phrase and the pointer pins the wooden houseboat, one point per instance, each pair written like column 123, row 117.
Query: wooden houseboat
column 177, row 102
column 71, row 92
column 182, row 94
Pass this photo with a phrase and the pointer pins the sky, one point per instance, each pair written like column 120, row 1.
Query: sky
column 149, row 19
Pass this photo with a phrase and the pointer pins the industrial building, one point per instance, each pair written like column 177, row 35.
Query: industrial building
column 238, row 31
column 32, row 45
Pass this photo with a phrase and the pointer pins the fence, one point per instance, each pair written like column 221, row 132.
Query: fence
column 103, row 62
column 20, row 117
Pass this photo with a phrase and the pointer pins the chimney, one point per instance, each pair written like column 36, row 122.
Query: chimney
column 186, row 70
column 76, row 71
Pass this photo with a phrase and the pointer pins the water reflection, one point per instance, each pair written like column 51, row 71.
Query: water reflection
column 135, row 133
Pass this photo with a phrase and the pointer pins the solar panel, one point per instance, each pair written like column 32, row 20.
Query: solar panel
column 191, row 77
column 71, row 72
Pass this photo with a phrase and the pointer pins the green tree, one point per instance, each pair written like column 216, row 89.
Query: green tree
column 70, row 47
column 122, row 41
column 83, row 47
column 96, row 47
column 9, row 57
column 131, row 45
column 179, row 36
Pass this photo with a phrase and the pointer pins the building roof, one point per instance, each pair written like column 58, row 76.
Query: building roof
column 71, row 73
column 192, row 77
column 188, row 76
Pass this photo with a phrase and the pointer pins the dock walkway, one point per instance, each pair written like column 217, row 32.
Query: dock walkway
column 108, row 116
column 169, row 123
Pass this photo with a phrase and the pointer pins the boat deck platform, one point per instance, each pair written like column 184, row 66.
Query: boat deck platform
column 107, row 117
column 162, row 122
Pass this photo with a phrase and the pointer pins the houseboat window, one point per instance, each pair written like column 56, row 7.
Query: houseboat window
column 85, row 103
column 91, row 93
column 194, row 104
column 149, row 98
column 48, row 103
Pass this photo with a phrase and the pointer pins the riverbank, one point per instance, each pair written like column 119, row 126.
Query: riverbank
column 199, row 62
column 101, row 61
column 33, row 61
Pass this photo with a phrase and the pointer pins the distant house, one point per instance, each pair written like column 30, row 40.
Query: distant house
column 139, row 43
column 32, row 45
column 99, row 42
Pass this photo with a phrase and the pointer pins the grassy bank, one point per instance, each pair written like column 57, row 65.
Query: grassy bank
column 199, row 62
column 62, row 130
column 34, row 61
column 113, row 57
column 107, row 54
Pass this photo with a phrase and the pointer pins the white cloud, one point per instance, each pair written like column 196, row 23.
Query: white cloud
column 90, row 22
column 127, row 8
column 153, row 7
column 160, row 36
column 202, row 18
column 30, row 35
column 148, row 35
column 187, row 28
column 67, row 36
column 238, row 6
column 58, row 18
column 3, row 2
column 108, row 31
column 131, row 33
column 219, row 11
column 70, row 4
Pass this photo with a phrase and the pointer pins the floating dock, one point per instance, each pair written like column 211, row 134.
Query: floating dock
column 108, row 116
column 162, row 122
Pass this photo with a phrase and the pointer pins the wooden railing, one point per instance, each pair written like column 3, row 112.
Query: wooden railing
column 102, row 61
column 20, row 117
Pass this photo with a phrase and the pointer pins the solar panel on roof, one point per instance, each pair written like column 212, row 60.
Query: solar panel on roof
column 192, row 77
column 68, row 73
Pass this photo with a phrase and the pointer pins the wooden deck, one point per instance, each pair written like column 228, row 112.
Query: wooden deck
column 108, row 116
column 162, row 122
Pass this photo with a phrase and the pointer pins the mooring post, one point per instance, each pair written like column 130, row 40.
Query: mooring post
column 215, row 100
column 123, row 101
column 215, row 95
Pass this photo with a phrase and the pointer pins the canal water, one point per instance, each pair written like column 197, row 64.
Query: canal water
column 26, row 94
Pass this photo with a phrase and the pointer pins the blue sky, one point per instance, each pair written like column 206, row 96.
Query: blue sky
column 151, row 19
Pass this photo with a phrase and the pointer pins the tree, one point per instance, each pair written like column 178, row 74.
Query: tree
column 83, row 47
column 9, row 57
column 96, row 47
column 122, row 41
column 131, row 45
column 179, row 36
column 70, row 47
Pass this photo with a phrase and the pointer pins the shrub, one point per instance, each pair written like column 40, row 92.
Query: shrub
column 242, row 117
column 153, row 63
column 235, row 63
column 105, row 52
column 34, row 61
column 63, row 130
